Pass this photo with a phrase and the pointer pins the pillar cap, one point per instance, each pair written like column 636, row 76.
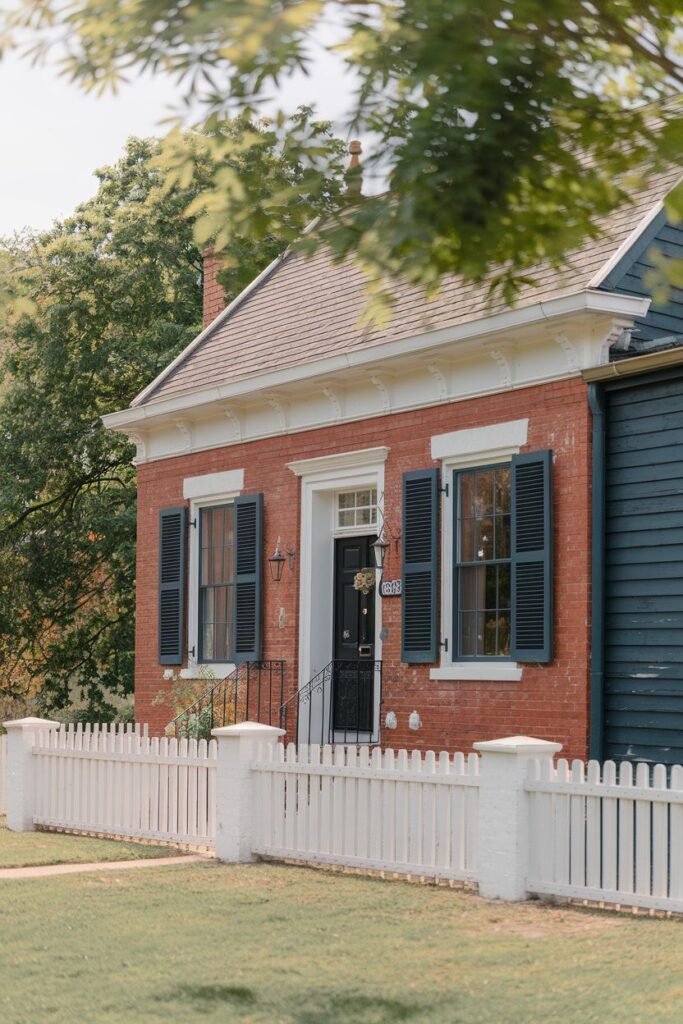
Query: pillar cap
column 252, row 729
column 518, row 745
column 31, row 723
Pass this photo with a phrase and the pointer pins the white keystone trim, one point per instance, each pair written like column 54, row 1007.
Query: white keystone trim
column 214, row 485
column 466, row 446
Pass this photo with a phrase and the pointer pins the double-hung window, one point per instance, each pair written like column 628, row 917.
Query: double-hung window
column 482, row 563
column 213, row 615
column 216, row 583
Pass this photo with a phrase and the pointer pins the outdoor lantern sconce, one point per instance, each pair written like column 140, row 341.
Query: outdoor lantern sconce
column 277, row 561
column 386, row 536
column 380, row 549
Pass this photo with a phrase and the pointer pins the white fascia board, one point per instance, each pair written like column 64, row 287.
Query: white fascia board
column 594, row 301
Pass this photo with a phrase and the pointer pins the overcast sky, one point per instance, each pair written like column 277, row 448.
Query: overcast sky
column 54, row 136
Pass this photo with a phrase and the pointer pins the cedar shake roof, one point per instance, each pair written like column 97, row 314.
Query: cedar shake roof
column 307, row 308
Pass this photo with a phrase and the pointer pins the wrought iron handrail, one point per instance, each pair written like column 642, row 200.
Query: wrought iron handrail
column 253, row 691
column 319, row 725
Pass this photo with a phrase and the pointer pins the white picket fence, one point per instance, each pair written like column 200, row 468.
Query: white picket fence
column 608, row 834
column 598, row 837
column 3, row 774
column 380, row 810
column 120, row 782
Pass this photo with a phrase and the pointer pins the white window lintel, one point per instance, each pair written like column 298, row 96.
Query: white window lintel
column 214, row 485
column 339, row 461
column 473, row 444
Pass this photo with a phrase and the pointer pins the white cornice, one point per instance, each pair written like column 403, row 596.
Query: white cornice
column 505, row 352
column 599, row 302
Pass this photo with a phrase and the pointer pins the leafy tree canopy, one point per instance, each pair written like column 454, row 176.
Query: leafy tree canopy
column 107, row 298
column 506, row 127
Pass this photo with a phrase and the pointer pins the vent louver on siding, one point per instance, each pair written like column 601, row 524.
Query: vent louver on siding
column 248, row 577
column 531, row 557
column 419, row 636
column 172, row 548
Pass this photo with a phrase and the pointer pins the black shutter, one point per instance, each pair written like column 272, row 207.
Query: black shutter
column 248, row 577
column 532, row 571
column 172, row 549
column 419, row 634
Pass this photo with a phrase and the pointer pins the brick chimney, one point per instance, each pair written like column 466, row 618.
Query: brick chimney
column 214, row 298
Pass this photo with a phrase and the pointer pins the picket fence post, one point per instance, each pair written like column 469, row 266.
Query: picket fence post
column 20, row 784
column 504, row 814
column 237, row 747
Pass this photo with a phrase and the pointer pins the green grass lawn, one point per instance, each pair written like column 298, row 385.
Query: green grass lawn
column 30, row 849
column 266, row 944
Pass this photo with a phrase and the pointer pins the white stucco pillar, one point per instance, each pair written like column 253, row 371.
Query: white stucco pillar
column 237, row 746
column 504, row 814
column 20, row 787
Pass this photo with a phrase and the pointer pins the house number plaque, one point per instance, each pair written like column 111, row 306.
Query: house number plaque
column 390, row 588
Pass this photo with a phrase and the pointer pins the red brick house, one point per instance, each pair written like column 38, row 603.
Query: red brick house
column 465, row 435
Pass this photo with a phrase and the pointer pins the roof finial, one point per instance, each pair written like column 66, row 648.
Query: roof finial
column 354, row 173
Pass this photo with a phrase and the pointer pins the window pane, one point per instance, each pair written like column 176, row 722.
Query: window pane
column 504, row 635
column 502, row 525
column 216, row 605
column 362, row 498
column 502, row 486
column 491, row 586
column 467, row 539
column 484, row 545
column 503, row 586
column 468, row 634
column 347, row 518
column 490, row 646
column 363, row 517
column 466, row 494
column 469, row 579
column 484, row 494
column 346, row 500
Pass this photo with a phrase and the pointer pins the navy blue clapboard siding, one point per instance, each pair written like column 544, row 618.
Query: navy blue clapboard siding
column 643, row 712
column 630, row 276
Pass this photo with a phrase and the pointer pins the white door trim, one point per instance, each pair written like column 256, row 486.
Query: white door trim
column 316, row 545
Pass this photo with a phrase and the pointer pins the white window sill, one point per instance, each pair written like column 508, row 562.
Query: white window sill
column 211, row 673
column 509, row 672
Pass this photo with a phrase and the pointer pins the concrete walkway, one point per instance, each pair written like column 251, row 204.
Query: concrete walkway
column 47, row 870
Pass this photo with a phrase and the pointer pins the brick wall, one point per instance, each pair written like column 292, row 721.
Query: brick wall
column 550, row 702
column 214, row 298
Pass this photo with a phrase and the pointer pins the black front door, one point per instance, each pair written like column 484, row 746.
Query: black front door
column 354, row 638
